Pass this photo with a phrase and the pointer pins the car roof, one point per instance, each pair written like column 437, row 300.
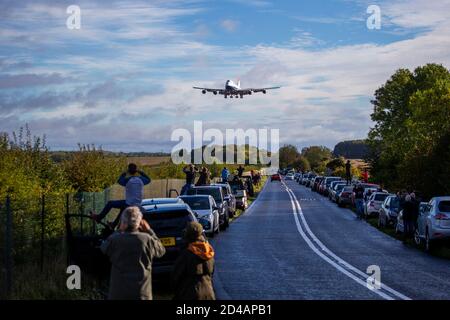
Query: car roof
column 167, row 207
column 211, row 186
column 160, row 200
column 196, row 196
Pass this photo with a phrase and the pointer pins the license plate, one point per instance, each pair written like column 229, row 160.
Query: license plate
column 168, row 242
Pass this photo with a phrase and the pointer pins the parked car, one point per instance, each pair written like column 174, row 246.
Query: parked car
column 275, row 177
column 337, row 187
column 217, row 193
column 344, row 197
column 399, row 226
column 331, row 186
column 290, row 176
column 241, row 196
column 316, row 182
column 310, row 180
column 326, row 184
column 229, row 197
column 156, row 201
column 206, row 211
column 169, row 221
column 387, row 215
column 433, row 223
column 373, row 204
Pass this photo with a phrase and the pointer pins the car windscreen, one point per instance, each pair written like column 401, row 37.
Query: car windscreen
column 347, row 189
column 214, row 192
column 168, row 223
column 380, row 197
column 197, row 203
column 395, row 203
column 444, row 206
column 329, row 180
column 339, row 187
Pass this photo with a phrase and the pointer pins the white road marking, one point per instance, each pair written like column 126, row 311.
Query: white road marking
column 339, row 264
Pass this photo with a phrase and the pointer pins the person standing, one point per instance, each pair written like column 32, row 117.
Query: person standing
column 225, row 174
column 359, row 200
column 190, row 172
column 408, row 217
column 204, row 178
column 192, row 273
column 348, row 172
column 131, row 251
column 134, row 181
column 240, row 171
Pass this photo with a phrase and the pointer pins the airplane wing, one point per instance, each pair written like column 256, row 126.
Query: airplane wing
column 263, row 90
column 215, row 91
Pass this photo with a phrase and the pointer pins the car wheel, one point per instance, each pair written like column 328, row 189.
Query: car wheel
column 417, row 238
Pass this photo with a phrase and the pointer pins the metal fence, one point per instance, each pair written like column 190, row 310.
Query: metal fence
column 32, row 230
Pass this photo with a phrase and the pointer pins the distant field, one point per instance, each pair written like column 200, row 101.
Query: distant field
column 358, row 163
column 148, row 161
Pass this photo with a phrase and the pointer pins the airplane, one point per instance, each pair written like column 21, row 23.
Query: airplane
column 234, row 90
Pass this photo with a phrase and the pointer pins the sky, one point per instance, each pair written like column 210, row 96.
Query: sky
column 124, row 79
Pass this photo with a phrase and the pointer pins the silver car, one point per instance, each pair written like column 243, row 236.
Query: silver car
column 433, row 223
column 206, row 211
column 374, row 202
column 387, row 215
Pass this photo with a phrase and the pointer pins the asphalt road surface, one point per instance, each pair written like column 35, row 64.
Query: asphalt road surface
column 295, row 244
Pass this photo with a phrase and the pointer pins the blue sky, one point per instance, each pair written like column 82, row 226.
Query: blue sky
column 124, row 79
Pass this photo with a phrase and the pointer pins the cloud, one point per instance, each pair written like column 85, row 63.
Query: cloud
column 125, row 81
column 229, row 25
column 8, row 81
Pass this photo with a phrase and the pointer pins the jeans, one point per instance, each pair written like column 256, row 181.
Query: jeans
column 113, row 204
column 359, row 203
column 185, row 189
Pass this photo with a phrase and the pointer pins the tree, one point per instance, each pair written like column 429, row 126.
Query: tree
column 90, row 170
column 316, row 155
column 302, row 164
column 288, row 155
column 411, row 112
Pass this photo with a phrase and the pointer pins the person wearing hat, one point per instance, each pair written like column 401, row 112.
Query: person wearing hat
column 192, row 273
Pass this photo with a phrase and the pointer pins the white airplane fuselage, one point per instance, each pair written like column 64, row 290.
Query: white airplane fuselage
column 230, row 86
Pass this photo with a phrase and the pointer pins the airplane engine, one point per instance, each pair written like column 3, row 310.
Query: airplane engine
column 215, row 92
column 204, row 91
column 264, row 91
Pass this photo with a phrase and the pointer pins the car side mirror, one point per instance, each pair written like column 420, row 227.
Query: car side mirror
column 215, row 208
column 196, row 214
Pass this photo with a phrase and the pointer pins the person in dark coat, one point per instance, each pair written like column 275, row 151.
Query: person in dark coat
column 190, row 172
column 193, row 270
column 240, row 171
column 408, row 217
column 131, row 251
column 348, row 172
column 204, row 178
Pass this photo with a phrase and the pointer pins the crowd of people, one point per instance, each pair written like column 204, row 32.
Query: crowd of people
column 133, row 247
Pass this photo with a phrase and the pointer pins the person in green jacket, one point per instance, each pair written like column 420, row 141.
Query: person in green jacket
column 131, row 251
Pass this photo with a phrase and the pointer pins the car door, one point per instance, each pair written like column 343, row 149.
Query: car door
column 215, row 211
column 385, row 208
column 421, row 220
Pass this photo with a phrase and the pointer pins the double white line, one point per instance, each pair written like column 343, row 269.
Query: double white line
column 341, row 265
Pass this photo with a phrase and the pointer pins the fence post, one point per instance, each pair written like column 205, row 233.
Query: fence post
column 167, row 188
column 42, row 231
column 8, row 247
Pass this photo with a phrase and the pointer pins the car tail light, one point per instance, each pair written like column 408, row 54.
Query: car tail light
column 441, row 216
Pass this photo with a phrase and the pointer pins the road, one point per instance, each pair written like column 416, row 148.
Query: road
column 295, row 244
